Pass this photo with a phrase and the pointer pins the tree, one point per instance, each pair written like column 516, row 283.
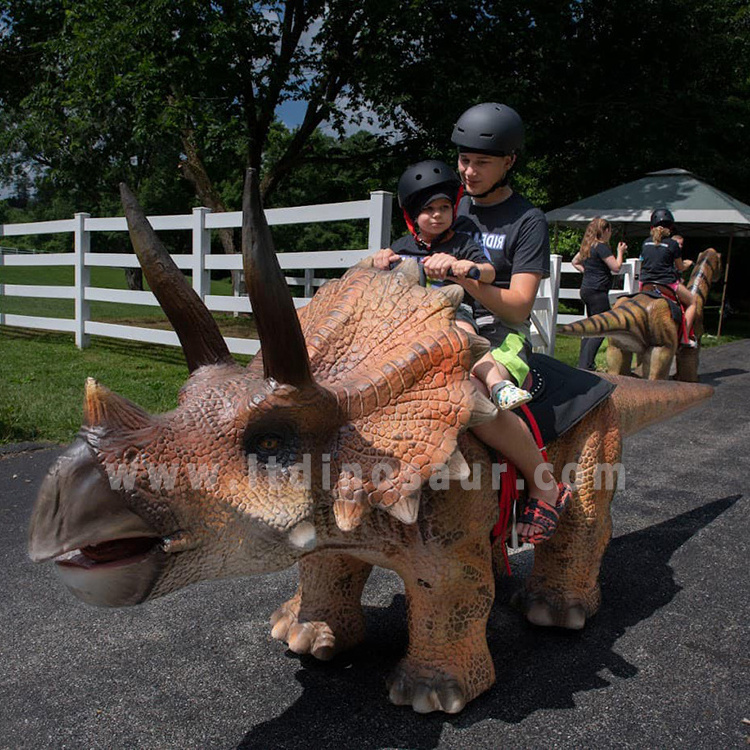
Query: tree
column 137, row 88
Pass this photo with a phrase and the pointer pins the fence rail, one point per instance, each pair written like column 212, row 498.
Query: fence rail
column 376, row 210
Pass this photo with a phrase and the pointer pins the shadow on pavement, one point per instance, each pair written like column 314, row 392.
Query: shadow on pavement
column 537, row 669
column 715, row 378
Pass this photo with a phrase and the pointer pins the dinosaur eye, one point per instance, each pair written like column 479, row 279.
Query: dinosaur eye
column 279, row 443
column 269, row 443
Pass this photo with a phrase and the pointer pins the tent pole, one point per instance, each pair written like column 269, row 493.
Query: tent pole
column 724, row 290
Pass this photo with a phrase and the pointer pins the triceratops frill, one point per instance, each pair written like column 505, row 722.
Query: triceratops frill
column 345, row 451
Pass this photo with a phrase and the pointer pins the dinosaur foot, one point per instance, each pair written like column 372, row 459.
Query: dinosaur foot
column 315, row 637
column 553, row 610
column 426, row 689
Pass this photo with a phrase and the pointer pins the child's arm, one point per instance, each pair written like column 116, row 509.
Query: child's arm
column 382, row 259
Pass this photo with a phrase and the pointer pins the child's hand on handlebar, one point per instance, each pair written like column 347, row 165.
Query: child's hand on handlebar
column 463, row 269
column 438, row 266
column 382, row 259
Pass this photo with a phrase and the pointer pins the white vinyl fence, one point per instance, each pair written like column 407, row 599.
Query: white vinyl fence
column 377, row 210
column 629, row 275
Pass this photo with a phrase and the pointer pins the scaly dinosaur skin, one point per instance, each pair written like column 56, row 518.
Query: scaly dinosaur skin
column 140, row 506
column 643, row 325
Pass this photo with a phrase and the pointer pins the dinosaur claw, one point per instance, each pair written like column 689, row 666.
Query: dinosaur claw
column 425, row 699
column 300, row 638
column 452, row 699
column 426, row 690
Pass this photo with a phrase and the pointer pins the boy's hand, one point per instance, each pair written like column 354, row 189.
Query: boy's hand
column 461, row 268
column 686, row 264
column 437, row 266
column 382, row 259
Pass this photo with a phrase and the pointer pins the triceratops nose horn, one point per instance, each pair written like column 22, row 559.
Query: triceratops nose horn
column 284, row 352
column 201, row 340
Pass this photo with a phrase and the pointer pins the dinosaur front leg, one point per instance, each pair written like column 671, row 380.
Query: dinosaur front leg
column 324, row 617
column 563, row 589
column 449, row 597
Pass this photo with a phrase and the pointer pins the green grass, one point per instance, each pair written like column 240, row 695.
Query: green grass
column 42, row 377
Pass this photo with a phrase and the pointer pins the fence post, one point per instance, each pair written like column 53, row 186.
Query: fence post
column 201, row 248
column 2, row 286
column 82, row 278
column 630, row 281
column 380, row 220
column 309, row 278
column 555, row 274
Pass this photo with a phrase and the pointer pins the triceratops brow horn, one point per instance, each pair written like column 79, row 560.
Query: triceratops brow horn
column 202, row 342
column 283, row 344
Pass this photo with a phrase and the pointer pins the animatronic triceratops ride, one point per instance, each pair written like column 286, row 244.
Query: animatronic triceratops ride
column 372, row 393
column 648, row 325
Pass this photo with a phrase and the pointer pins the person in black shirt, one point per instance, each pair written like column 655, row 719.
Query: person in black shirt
column 662, row 264
column 515, row 238
column 428, row 192
column 597, row 264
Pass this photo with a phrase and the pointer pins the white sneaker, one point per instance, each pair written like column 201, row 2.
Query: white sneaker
column 507, row 395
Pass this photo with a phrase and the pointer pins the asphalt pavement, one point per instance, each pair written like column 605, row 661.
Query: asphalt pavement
column 664, row 664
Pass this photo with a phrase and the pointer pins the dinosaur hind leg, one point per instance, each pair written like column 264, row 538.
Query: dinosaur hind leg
column 656, row 362
column 618, row 360
column 325, row 615
column 563, row 589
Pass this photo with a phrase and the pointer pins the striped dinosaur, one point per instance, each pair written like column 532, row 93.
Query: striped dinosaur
column 643, row 325
column 344, row 445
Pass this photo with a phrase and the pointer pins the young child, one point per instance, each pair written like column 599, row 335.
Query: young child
column 428, row 193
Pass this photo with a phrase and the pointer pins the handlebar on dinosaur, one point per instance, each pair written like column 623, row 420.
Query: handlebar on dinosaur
column 474, row 272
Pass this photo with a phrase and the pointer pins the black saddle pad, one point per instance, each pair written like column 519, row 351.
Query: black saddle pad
column 562, row 395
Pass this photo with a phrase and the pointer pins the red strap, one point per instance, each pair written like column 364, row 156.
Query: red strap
column 508, row 493
column 535, row 431
column 506, row 496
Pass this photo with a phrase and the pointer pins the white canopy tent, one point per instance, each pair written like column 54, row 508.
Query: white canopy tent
column 699, row 209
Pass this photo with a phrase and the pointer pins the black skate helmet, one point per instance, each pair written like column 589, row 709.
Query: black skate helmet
column 424, row 182
column 489, row 128
column 662, row 217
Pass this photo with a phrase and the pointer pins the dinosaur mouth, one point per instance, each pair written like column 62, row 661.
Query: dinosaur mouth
column 113, row 553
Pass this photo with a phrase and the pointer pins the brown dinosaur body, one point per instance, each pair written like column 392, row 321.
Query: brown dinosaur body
column 360, row 456
column 643, row 325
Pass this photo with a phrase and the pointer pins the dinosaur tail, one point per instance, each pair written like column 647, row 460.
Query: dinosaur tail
column 641, row 403
column 627, row 317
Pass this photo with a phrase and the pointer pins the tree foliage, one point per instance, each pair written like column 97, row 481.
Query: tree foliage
column 110, row 90
column 179, row 98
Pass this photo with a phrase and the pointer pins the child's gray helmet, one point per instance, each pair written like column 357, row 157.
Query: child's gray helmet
column 423, row 182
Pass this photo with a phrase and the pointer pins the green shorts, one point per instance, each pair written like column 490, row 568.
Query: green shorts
column 510, row 348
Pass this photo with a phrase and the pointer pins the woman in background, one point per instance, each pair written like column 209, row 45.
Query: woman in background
column 597, row 263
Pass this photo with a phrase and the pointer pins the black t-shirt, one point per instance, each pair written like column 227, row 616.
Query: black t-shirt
column 460, row 246
column 514, row 237
column 596, row 274
column 657, row 261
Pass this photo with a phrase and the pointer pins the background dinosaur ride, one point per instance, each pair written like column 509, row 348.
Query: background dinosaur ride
column 643, row 324
column 370, row 397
